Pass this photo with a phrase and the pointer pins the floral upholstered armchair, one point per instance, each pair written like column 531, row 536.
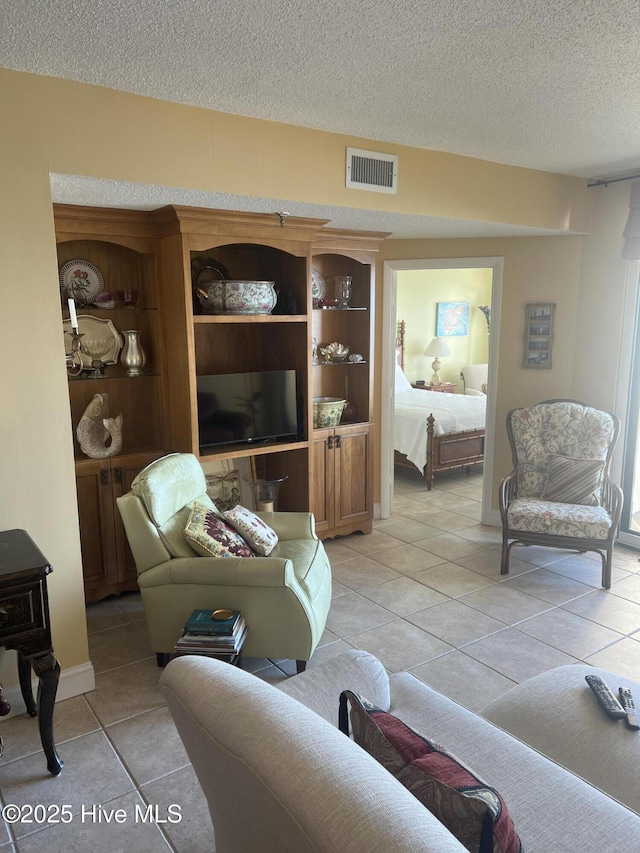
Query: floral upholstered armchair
column 559, row 493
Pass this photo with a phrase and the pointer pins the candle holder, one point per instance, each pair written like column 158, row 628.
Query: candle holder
column 73, row 359
column 265, row 491
column 95, row 349
column 342, row 284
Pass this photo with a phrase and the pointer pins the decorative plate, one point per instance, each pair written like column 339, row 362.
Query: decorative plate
column 206, row 270
column 318, row 285
column 81, row 280
column 101, row 340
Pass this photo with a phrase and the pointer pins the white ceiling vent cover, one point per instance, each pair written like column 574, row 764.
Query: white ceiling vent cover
column 370, row 170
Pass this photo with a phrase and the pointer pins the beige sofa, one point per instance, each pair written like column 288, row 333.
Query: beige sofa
column 280, row 778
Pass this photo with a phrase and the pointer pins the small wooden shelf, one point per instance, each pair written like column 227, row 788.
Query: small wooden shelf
column 85, row 379
column 237, row 451
column 249, row 318
column 340, row 363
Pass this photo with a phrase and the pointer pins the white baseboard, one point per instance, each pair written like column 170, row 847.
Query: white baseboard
column 73, row 682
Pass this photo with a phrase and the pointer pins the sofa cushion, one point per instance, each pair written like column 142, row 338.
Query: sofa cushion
column 573, row 481
column 553, row 809
column 258, row 535
column 558, row 519
column 470, row 809
column 211, row 536
column 586, row 741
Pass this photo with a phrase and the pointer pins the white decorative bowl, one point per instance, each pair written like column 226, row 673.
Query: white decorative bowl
column 327, row 411
column 238, row 297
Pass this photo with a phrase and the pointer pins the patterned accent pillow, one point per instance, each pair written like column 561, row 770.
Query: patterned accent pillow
column 262, row 538
column 211, row 536
column 573, row 481
column 471, row 810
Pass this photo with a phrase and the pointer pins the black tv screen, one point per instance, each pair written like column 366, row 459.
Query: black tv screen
column 246, row 407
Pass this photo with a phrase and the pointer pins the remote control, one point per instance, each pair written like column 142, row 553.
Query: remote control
column 631, row 715
column 606, row 697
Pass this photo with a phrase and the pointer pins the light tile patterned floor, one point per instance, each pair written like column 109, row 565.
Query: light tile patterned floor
column 423, row 593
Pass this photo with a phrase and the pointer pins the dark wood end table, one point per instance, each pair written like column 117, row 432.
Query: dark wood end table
column 25, row 626
column 443, row 388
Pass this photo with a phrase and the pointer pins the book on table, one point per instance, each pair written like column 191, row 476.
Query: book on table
column 210, row 644
column 213, row 622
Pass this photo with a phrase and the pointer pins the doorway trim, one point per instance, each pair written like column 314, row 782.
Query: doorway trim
column 629, row 355
column 387, row 395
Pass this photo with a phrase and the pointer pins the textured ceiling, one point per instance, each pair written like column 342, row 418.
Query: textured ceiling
column 547, row 84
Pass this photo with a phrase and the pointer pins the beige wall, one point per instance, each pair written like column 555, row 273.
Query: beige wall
column 600, row 314
column 50, row 125
column 418, row 294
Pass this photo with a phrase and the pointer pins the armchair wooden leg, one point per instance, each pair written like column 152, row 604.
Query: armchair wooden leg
column 163, row 658
column 301, row 665
column 504, row 560
column 606, row 568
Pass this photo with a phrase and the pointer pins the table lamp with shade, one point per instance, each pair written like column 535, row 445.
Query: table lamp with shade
column 437, row 349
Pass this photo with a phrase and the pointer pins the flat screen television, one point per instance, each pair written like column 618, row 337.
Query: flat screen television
column 246, row 407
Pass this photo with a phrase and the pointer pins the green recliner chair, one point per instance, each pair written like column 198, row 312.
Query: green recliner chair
column 284, row 597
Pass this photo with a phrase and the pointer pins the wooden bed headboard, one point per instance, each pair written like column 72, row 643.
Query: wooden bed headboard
column 400, row 330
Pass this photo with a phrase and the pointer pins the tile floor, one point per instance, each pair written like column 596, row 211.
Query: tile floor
column 423, row 593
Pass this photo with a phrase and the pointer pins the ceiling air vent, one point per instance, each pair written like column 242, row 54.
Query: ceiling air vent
column 369, row 170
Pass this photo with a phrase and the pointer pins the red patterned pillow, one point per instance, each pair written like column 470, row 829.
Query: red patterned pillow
column 471, row 810
column 211, row 536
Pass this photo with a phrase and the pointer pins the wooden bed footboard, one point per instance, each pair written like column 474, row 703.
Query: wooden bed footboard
column 448, row 451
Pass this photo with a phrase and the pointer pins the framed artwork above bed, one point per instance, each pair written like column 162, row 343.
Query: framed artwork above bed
column 452, row 319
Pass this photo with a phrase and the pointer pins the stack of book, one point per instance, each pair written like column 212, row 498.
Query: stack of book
column 217, row 633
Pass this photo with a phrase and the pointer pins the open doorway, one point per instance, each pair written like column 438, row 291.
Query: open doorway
column 393, row 271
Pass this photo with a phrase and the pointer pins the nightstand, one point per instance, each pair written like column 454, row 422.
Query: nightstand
column 25, row 626
column 443, row 388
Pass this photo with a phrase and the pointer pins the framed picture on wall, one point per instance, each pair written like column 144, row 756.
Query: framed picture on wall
column 452, row 319
column 538, row 334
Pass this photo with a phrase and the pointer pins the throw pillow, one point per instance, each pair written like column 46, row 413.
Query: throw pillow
column 262, row 538
column 471, row 810
column 211, row 536
column 573, row 481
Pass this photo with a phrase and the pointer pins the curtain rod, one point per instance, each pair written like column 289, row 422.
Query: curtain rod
column 606, row 181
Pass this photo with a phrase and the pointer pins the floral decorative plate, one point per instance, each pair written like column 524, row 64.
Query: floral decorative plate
column 318, row 285
column 100, row 340
column 81, row 280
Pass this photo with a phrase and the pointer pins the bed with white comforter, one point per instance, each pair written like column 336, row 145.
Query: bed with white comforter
column 453, row 413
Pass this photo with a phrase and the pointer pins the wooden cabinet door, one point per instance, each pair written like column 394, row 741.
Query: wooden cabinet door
column 124, row 470
column 353, row 478
column 96, row 515
column 322, row 479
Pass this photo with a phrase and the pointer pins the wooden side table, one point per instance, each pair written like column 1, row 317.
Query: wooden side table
column 24, row 626
column 443, row 388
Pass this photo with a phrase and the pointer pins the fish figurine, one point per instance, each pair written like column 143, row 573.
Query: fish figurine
column 98, row 434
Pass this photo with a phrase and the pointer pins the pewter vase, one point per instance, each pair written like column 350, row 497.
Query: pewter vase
column 132, row 353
